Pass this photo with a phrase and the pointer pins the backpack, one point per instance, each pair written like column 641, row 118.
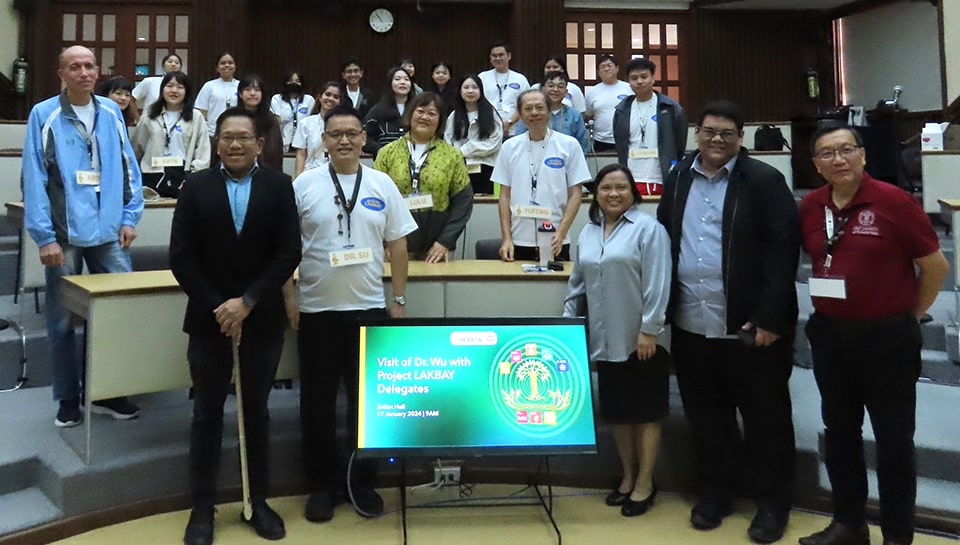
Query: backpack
column 769, row 138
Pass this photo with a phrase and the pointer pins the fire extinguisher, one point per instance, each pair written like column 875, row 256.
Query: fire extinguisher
column 20, row 68
column 813, row 85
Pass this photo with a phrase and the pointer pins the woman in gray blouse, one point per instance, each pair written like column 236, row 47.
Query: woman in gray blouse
column 621, row 281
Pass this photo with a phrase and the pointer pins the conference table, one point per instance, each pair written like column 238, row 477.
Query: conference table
column 133, row 321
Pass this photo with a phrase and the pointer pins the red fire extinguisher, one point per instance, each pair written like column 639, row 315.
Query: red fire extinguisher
column 20, row 69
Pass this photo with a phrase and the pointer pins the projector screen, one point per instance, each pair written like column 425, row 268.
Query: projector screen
column 474, row 387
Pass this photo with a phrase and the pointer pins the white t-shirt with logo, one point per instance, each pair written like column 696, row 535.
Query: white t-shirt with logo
column 309, row 136
column 284, row 110
column 214, row 98
column 380, row 215
column 644, row 135
column 602, row 99
column 562, row 166
column 504, row 98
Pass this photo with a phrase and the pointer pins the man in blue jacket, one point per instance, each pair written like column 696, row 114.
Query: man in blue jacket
column 82, row 200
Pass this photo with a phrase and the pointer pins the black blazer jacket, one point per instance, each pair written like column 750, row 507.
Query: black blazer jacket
column 213, row 263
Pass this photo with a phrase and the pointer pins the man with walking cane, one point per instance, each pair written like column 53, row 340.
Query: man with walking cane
column 235, row 240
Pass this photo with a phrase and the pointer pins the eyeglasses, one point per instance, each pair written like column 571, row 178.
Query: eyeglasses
column 726, row 134
column 337, row 135
column 429, row 114
column 845, row 152
column 229, row 139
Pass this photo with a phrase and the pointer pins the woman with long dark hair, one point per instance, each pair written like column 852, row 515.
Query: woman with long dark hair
column 474, row 127
column 440, row 74
column 383, row 122
column 250, row 93
column 171, row 138
column 118, row 89
column 291, row 106
column 147, row 91
column 309, row 138
column 218, row 94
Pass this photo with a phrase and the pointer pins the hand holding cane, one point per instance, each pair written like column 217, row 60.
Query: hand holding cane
column 244, row 473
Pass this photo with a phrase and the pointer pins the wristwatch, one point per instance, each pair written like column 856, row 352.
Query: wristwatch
column 400, row 300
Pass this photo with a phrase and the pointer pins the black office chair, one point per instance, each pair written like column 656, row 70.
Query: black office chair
column 488, row 248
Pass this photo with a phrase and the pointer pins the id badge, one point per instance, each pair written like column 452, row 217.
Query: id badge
column 418, row 202
column 88, row 177
column 832, row 288
column 350, row 256
column 532, row 211
column 166, row 161
column 644, row 153
column 473, row 169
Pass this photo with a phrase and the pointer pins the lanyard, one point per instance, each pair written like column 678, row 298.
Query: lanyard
column 294, row 106
column 834, row 229
column 341, row 201
column 90, row 139
column 226, row 87
column 168, row 132
column 536, row 163
column 416, row 166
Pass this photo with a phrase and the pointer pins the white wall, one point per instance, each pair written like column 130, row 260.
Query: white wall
column 9, row 35
column 897, row 44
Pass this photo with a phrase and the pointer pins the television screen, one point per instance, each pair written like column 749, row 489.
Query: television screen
column 471, row 387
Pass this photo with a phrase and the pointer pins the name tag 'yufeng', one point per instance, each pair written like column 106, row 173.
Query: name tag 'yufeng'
column 643, row 153
column 166, row 161
column 351, row 256
column 88, row 177
column 418, row 202
column 531, row 211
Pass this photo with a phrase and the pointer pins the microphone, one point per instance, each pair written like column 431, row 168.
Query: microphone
column 897, row 91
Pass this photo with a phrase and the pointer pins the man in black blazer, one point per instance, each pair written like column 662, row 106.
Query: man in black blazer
column 361, row 98
column 235, row 240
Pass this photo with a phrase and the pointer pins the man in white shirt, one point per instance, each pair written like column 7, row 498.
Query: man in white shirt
column 601, row 101
column 540, row 173
column 503, row 86
column 347, row 211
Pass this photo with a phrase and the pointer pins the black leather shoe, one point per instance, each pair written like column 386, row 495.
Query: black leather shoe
column 632, row 508
column 709, row 513
column 321, row 506
column 768, row 525
column 200, row 527
column 266, row 522
column 616, row 497
column 838, row 534
column 367, row 502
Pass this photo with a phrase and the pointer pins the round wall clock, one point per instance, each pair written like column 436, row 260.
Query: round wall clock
column 381, row 20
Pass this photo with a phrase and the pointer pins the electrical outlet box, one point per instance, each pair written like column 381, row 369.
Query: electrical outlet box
column 446, row 475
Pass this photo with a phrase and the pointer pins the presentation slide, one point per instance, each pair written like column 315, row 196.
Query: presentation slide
column 462, row 389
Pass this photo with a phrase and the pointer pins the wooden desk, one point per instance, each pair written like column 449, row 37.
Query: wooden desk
column 135, row 343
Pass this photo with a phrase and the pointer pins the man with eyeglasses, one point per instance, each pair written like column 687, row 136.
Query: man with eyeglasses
column 563, row 119
column 347, row 212
column 877, row 267
column 234, row 241
column 602, row 99
column 502, row 86
column 361, row 98
column 649, row 128
column 735, row 235
column 82, row 201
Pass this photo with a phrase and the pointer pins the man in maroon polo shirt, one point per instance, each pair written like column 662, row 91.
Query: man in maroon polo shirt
column 866, row 239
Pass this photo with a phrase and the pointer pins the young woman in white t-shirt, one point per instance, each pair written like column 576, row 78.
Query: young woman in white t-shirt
column 308, row 141
column 218, row 94
column 474, row 127
column 291, row 106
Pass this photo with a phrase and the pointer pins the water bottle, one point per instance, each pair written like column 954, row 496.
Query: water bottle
column 545, row 242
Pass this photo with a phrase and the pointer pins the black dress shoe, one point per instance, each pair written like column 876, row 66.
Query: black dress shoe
column 709, row 513
column 632, row 508
column 367, row 502
column 200, row 527
column 321, row 506
column 616, row 497
column 838, row 534
column 266, row 522
column 768, row 525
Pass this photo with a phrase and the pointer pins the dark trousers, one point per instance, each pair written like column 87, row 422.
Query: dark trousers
column 718, row 377
column 328, row 343
column 480, row 181
column 873, row 366
column 211, row 369
column 532, row 253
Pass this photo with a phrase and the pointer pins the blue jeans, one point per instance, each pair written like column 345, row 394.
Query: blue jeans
column 106, row 258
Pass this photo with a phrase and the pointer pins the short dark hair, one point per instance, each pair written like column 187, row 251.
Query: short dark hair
column 607, row 57
column 526, row 92
column 641, row 64
column 224, row 54
column 499, row 43
column 594, row 212
column 722, row 108
column 831, row 125
column 557, row 58
column 239, row 111
column 348, row 62
column 424, row 99
column 344, row 108
column 554, row 74
column 109, row 85
column 169, row 55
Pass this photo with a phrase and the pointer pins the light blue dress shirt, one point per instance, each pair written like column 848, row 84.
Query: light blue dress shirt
column 702, row 304
column 238, row 192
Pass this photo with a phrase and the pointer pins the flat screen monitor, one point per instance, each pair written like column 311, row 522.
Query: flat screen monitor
column 474, row 387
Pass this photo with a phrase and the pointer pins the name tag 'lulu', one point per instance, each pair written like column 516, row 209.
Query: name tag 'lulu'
column 473, row 169
column 166, row 161
column 88, row 177
column 644, row 153
column 352, row 256
column 833, row 288
column 417, row 202
column 530, row 211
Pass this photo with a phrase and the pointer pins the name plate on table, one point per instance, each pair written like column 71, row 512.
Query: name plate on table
column 418, row 202
column 532, row 211
column 166, row 161
column 351, row 256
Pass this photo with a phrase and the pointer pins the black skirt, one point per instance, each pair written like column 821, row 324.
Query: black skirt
column 634, row 391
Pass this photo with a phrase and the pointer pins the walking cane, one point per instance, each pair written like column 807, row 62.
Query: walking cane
column 244, row 473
